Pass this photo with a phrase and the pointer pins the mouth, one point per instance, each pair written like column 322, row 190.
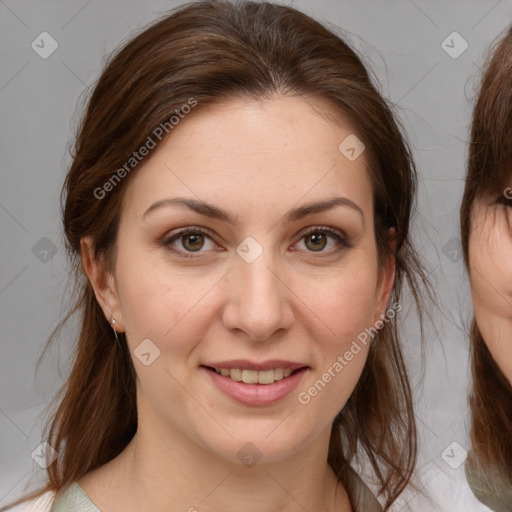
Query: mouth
column 250, row 376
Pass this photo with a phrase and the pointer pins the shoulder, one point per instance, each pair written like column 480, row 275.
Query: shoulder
column 433, row 488
column 478, row 482
column 362, row 498
column 41, row 504
column 72, row 499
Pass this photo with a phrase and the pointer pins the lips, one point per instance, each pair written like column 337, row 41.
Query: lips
column 256, row 393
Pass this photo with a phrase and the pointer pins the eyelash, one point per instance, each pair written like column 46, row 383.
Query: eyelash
column 344, row 244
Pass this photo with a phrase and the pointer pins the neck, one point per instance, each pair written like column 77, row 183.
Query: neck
column 162, row 470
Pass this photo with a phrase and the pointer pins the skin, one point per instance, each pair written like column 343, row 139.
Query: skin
column 490, row 272
column 257, row 161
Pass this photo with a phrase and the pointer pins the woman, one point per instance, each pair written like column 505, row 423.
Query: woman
column 238, row 211
column 486, row 228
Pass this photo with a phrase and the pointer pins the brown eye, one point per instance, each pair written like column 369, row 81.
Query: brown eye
column 318, row 241
column 193, row 242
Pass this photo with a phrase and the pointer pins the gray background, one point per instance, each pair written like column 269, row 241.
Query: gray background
column 40, row 104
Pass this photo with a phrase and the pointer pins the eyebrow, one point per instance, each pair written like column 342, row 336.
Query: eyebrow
column 209, row 210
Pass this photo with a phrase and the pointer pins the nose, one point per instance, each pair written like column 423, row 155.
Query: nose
column 259, row 299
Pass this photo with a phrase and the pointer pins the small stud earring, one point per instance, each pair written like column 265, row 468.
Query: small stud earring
column 113, row 321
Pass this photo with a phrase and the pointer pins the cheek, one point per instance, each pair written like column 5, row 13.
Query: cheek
column 490, row 258
column 345, row 296
column 345, row 302
column 156, row 300
column 342, row 307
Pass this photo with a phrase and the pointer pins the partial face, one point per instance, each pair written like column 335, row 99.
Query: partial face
column 490, row 258
column 279, row 286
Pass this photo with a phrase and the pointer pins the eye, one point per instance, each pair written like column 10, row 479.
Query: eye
column 192, row 240
column 316, row 239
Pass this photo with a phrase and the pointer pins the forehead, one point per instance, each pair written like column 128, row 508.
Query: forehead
column 253, row 153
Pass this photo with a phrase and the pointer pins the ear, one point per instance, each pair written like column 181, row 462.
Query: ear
column 386, row 279
column 103, row 283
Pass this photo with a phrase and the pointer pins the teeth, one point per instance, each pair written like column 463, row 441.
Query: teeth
column 254, row 376
column 250, row 376
column 236, row 375
column 264, row 377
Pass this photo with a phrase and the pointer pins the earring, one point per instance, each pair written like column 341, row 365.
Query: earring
column 373, row 336
column 113, row 321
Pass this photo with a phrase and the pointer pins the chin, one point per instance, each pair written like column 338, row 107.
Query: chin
column 255, row 446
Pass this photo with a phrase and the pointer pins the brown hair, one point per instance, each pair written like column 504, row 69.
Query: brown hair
column 489, row 166
column 213, row 51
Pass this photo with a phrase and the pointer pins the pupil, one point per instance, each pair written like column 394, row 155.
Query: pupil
column 316, row 239
column 192, row 237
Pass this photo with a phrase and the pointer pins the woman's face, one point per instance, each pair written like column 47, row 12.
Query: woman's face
column 490, row 257
column 289, row 282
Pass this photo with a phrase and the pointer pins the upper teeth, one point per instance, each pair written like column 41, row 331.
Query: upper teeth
column 255, row 376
